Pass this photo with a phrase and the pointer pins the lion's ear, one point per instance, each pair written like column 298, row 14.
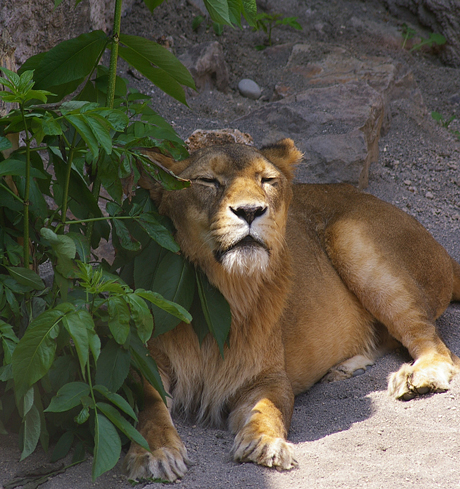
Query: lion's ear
column 148, row 183
column 284, row 155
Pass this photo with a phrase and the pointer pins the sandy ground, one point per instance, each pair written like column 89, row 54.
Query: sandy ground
column 347, row 434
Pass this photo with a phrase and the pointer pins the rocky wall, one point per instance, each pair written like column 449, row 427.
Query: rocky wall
column 37, row 26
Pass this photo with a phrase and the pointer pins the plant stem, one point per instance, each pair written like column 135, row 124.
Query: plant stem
column 65, row 199
column 26, row 193
column 114, row 54
column 96, row 191
column 5, row 187
column 94, row 219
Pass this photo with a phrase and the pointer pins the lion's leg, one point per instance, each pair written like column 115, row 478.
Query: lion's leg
column 260, row 418
column 398, row 301
column 399, row 305
column 168, row 457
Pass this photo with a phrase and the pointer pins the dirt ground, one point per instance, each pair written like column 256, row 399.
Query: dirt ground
column 347, row 434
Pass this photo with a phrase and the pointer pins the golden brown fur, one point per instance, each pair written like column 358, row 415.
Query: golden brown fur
column 325, row 275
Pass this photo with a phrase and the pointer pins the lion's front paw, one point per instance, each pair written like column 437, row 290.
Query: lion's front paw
column 420, row 378
column 163, row 463
column 264, row 450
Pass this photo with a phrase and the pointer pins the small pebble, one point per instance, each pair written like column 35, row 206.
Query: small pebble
column 249, row 89
column 429, row 195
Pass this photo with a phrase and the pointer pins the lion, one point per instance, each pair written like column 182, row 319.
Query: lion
column 320, row 279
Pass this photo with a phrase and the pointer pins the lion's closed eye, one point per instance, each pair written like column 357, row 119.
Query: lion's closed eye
column 273, row 181
column 208, row 181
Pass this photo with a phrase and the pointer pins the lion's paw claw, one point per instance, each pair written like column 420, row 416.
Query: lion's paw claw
column 164, row 463
column 265, row 450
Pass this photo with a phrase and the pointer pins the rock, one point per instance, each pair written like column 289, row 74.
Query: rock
column 455, row 99
column 37, row 26
column 441, row 16
column 306, row 68
column 206, row 64
column 202, row 138
column 337, row 127
column 249, row 89
column 335, row 105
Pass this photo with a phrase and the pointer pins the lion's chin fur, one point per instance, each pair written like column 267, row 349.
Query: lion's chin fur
column 250, row 260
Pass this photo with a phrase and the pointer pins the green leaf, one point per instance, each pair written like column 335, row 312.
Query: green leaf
column 27, row 401
column 6, row 373
column 250, row 11
column 63, row 371
column 63, row 446
column 27, row 277
column 199, row 324
column 101, row 130
column 165, row 177
column 79, row 453
column 94, row 342
column 45, row 126
column 152, row 4
column 127, row 241
column 117, row 119
column 5, row 143
column 68, row 397
column 219, row 11
column 32, row 427
column 18, row 167
column 78, row 191
column 34, row 353
column 81, row 246
column 116, row 399
column 76, row 325
column 145, row 265
column 168, row 306
column 119, row 317
column 156, row 54
column 159, row 77
column 69, row 61
column 215, row 310
column 81, row 125
column 175, row 281
column 112, row 366
column 146, row 365
column 107, row 446
column 82, row 416
column 12, row 76
column 64, row 247
column 142, row 316
column 158, row 232
column 196, row 22
column 124, row 426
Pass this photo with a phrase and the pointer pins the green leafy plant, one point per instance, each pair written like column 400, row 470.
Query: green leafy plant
column 200, row 19
column 439, row 118
column 410, row 33
column 267, row 22
column 72, row 349
column 434, row 38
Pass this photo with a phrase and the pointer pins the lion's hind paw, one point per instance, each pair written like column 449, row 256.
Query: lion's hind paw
column 420, row 378
column 164, row 463
column 351, row 367
column 265, row 450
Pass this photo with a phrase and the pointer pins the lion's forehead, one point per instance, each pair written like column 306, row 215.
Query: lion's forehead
column 229, row 166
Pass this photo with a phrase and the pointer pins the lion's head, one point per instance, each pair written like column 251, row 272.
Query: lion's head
column 234, row 213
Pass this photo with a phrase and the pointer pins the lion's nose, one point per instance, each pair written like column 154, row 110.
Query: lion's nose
column 249, row 212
